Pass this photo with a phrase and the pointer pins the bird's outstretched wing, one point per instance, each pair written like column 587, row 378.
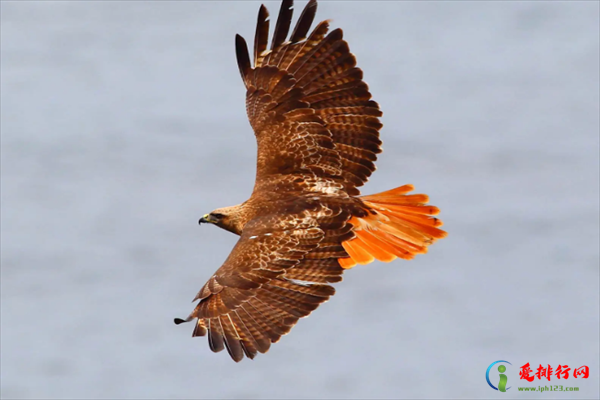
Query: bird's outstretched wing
column 312, row 114
column 277, row 273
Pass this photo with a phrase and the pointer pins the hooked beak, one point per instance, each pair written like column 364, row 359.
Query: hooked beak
column 207, row 219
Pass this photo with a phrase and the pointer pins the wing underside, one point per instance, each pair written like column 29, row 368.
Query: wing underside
column 308, row 105
column 277, row 273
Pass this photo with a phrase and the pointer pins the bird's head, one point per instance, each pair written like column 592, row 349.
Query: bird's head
column 227, row 218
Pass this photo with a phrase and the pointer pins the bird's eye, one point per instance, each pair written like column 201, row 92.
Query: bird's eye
column 217, row 215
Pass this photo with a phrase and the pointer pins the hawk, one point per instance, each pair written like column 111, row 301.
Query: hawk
column 317, row 131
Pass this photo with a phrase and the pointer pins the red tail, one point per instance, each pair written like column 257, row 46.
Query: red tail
column 402, row 226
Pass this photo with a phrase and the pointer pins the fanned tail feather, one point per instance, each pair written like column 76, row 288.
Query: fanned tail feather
column 399, row 226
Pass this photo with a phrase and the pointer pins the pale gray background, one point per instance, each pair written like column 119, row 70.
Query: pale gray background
column 124, row 122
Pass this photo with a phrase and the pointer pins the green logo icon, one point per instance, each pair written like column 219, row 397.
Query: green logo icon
column 503, row 378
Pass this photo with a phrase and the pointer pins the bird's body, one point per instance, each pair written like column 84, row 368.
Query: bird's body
column 317, row 131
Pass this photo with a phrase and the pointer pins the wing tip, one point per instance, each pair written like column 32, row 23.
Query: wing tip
column 263, row 11
column 243, row 57
column 179, row 321
column 304, row 22
column 261, row 36
column 284, row 20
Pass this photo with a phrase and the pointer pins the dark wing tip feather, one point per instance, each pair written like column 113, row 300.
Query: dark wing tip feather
column 250, row 354
column 284, row 21
column 215, row 341
column 304, row 22
column 337, row 34
column 262, row 33
column 235, row 350
column 179, row 321
column 243, row 58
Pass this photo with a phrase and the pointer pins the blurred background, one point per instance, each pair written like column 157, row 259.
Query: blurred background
column 123, row 122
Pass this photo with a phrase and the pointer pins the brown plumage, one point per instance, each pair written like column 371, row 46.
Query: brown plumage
column 317, row 131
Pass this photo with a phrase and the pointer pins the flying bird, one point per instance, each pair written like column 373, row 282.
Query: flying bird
column 305, row 223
